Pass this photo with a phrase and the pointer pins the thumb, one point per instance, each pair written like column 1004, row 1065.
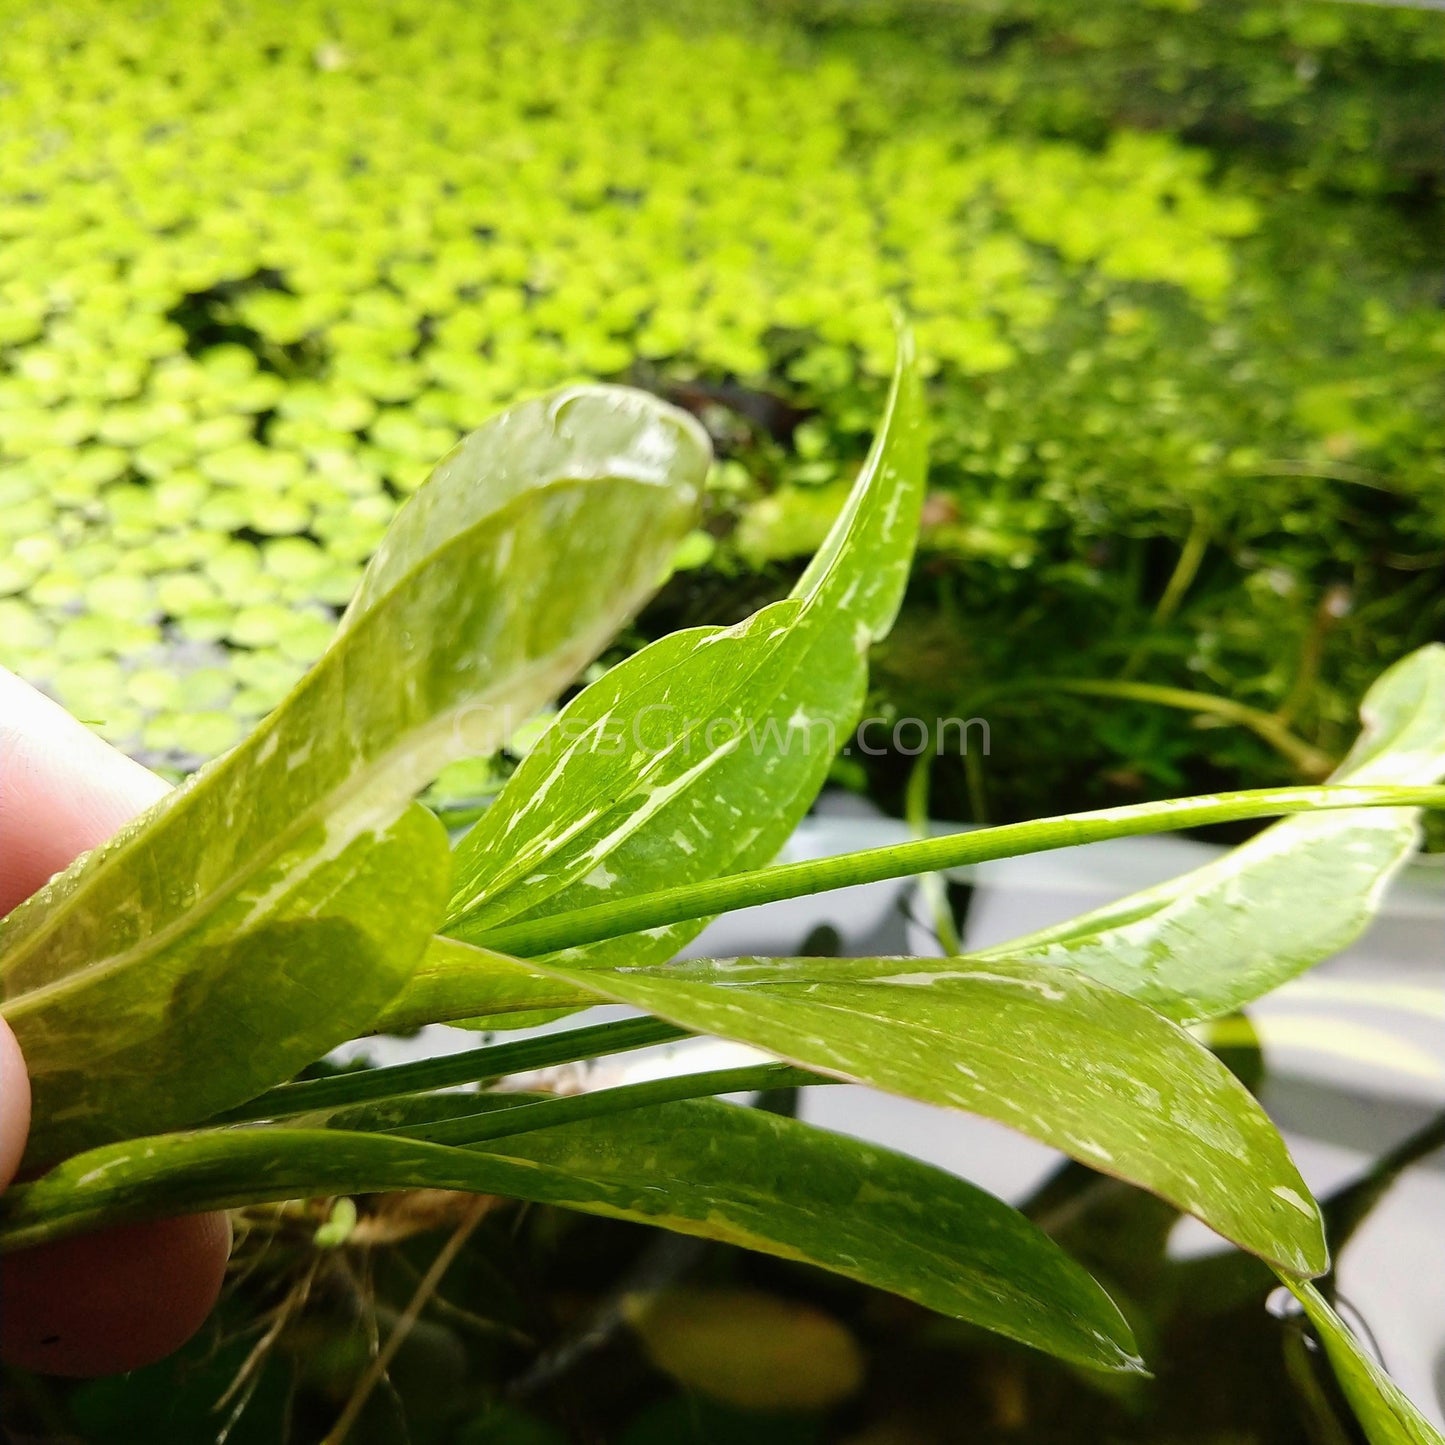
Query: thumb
column 14, row 1105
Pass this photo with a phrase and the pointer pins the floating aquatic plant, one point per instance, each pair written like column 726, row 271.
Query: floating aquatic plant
column 255, row 277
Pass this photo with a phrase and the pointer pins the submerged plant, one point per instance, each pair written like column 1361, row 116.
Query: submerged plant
column 292, row 895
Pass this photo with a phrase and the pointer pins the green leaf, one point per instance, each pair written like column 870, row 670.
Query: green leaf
column 698, row 755
column 1383, row 1409
column 532, row 542
column 1051, row 1053
column 179, row 1026
column 702, row 1168
column 1205, row 944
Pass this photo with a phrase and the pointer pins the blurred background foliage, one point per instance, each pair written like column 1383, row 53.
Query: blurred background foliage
column 1175, row 267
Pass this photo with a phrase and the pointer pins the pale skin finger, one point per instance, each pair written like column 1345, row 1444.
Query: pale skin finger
column 123, row 1298
column 14, row 1106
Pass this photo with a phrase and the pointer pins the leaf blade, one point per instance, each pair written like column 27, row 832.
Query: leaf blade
column 341, row 955
column 1051, row 1053
column 454, row 982
column 727, row 733
column 1206, row 944
column 503, row 575
column 703, row 1168
column 1382, row 1408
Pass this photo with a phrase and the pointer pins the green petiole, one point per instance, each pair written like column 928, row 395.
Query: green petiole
column 667, row 906
column 467, row 1130
column 492, row 1062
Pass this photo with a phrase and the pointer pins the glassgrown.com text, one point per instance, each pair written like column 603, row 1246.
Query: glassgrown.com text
column 665, row 728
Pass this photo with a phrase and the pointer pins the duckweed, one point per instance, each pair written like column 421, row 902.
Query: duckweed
column 1173, row 278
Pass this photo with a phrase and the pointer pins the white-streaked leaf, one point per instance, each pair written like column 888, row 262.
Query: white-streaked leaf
column 455, row 982
column 505, row 573
column 702, row 1168
column 698, row 755
column 1382, row 1408
column 1051, row 1053
column 1207, row 943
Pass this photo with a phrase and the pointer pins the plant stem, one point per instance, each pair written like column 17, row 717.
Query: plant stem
column 1196, row 544
column 1309, row 664
column 900, row 860
column 1186, row 569
column 492, row 1062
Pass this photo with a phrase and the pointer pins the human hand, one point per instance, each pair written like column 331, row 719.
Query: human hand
column 112, row 1301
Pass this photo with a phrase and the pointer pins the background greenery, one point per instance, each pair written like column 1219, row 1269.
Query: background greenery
column 1175, row 270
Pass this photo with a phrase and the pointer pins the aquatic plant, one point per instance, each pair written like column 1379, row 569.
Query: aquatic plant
column 290, row 895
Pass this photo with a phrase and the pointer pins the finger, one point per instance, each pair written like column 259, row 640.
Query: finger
column 125, row 1297
column 62, row 790
column 103, row 1303
column 14, row 1105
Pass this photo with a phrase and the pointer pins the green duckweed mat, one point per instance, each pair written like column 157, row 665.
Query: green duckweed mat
column 1176, row 271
